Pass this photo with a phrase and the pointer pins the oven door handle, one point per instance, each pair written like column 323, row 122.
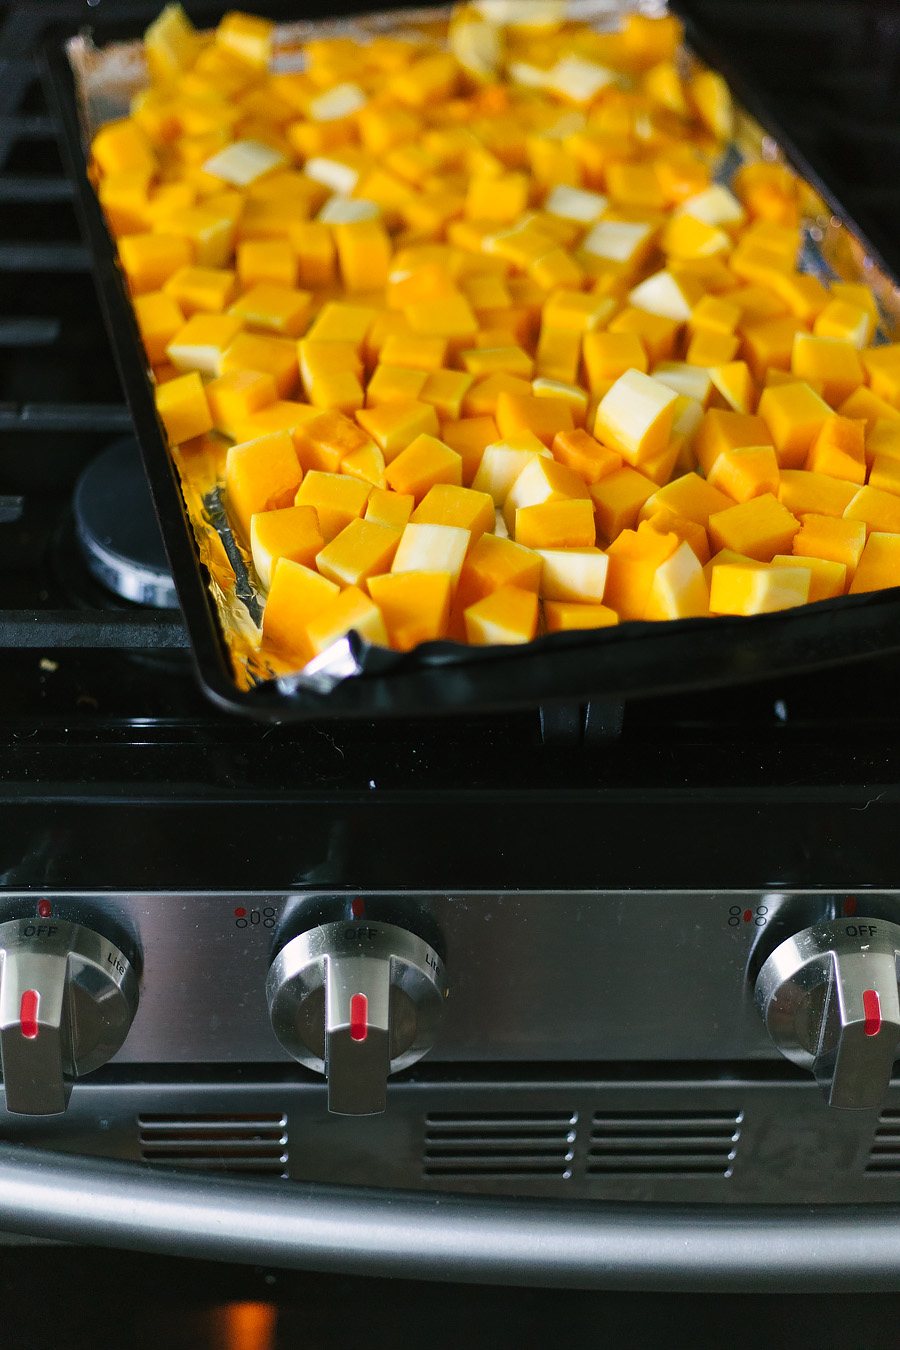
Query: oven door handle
column 462, row 1238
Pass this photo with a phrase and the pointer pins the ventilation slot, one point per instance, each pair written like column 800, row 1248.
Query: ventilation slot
column 217, row 1143
column 664, row 1143
column 501, row 1144
column 884, row 1155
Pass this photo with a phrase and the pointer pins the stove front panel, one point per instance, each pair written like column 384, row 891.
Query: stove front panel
column 540, row 978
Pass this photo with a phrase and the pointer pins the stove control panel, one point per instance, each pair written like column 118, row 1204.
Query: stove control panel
column 68, row 997
column 830, row 999
column 356, row 1000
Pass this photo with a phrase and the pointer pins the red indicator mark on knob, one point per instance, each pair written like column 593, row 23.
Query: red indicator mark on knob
column 240, row 912
column 45, row 909
column 748, row 915
column 872, row 1010
column 358, row 907
column 28, row 1013
column 359, row 1013
column 850, row 905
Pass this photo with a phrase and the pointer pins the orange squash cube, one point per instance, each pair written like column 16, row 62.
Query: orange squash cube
column 803, row 492
column 722, row 430
column 563, row 616
column 878, row 509
column 469, row 437
column 432, row 548
column 879, row 565
column 447, row 504
column 556, row 524
column 415, row 606
column 148, row 260
column 393, row 384
column 493, row 562
column 351, row 611
column 209, row 289
column 315, row 253
column 757, row 588
column 260, row 475
column 289, row 532
column 577, row 574
column 882, row 368
column 389, row 508
column 507, row 615
column 634, row 557
column 183, row 409
column 759, row 528
column 425, row 462
column 746, row 473
column 617, row 499
column 446, row 390
column 635, row 417
column 362, row 549
column 236, row 396
column 584, row 455
column 885, row 473
column 679, row 589
column 839, row 450
column 794, row 415
column 337, row 498
column 826, row 579
column 364, row 254
column 542, row 479
column 201, row 342
column 159, row 318
column 279, row 310
column 832, row 360
column 296, row 595
column 835, row 540
column 275, row 356
column 393, row 426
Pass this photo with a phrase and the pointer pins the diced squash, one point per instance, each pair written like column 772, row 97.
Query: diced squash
column 291, row 532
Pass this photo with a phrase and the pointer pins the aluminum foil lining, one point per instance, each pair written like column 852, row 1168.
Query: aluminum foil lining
column 107, row 79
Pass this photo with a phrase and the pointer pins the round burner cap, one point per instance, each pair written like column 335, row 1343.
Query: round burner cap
column 118, row 531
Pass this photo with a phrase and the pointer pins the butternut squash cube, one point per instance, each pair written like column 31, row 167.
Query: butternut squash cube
column 635, row 417
column 722, row 430
column 885, row 473
column 573, row 574
column 803, row 492
column 736, row 385
column 364, row 254
column 253, row 351
column 882, row 367
column 183, row 409
column 742, row 588
column 351, row 611
column 446, row 390
column 882, row 440
column 234, row 397
column 315, row 252
column 148, row 260
column 447, row 504
column 362, row 549
column 508, row 615
column 707, row 348
column 617, row 499
column 325, row 440
column 338, row 499
column 769, row 343
column 794, row 416
column 839, row 450
column 826, row 579
column 390, row 508
column 562, row 616
column 469, row 437
column 832, row 360
column 432, row 548
column 289, row 532
column 208, row 289
column 279, row 310
column 758, row 528
column 743, row 474
column 584, row 455
column 840, row 319
column 493, row 562
column 340, row 322
column 607, row 356
column 657, row 333
column 282, row 415
column 366, row 463
column 394, row 426
column 296, row 595
column 869, row 406
column 159, row 318
column 201, row 342
column 542, row 480
column 879, row 565
column 501, row 465
column 260, row 475
column 634, row 557
column 415, row 606
column 247, row 36
column 556, row 524
column 835, row 540
column 448, row 318
column 679, row 589
column 425, row 462
column 481, row 400
column 878, row 509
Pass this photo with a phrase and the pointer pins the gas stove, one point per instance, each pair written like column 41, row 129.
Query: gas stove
column 570, row 908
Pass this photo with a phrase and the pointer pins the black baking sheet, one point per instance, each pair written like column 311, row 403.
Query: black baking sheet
column 630, row 660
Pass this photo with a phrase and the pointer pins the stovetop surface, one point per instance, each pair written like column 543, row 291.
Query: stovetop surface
column 98, row 696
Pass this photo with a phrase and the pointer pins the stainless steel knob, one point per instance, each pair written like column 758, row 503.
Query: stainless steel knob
column 830, row 999
column 67, row 1000
column 356, row 1000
